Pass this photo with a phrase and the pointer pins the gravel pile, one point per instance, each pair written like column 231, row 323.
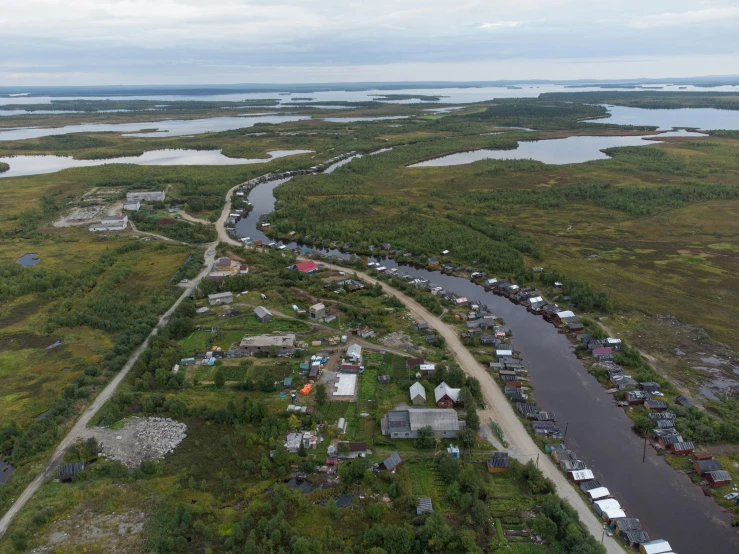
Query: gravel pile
column 140, row 439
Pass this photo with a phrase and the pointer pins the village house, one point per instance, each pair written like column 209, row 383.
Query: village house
column 220, row 298
column 223, row 264
column 564, row 317
column 305, row 267
column 317, row 312
column 412, row 363
column 445, row 396
column 603, row 354
column 133, row 206
column 405, row 424
column 636, row 397
column 418, row 394
column 354, row 353
column 283, row 344
column 263, row 314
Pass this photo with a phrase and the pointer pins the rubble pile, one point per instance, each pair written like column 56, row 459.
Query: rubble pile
column 140, row 439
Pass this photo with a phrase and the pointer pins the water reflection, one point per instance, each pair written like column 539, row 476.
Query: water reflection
column 28, row 260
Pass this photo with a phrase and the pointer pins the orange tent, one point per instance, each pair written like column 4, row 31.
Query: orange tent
column 306, row 389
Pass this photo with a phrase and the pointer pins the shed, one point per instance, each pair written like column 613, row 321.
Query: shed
column 287, row 382
column 424, row 506
column 634, row 538
column 581, row 475
column 706, row 466
column 606, row 504
column 655, row 405
column 65, row 472
column 682, row 448
column 418, row 394
column 598, row 493
column 718, row 478
column 499, row 463
column 220, row 298
column 317, row 312
column 263, row 314
column 383, row 379
column 392, row 461
column 586, row 486
column 627, row 524
column 658, row 546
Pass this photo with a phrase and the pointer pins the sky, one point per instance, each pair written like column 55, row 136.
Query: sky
column 105, row 42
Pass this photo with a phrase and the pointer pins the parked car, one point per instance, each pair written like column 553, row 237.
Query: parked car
column 184, row 281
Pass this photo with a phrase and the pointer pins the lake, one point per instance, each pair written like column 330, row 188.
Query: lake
column 570, row 150
column 27, row 260
column 668, row 504
column 35, row 165
column 166, row 128
column 698, row 118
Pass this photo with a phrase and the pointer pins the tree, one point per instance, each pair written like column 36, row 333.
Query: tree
column 219, row 380
column 448, row 469
column 466, row 438
column 321, row 396
column 426, row 439
column 472, row 421
column 301, row 450
column 293, row 422
column 333, row 509
column 544, row 527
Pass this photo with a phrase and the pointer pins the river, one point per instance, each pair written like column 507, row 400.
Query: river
column 667, row 503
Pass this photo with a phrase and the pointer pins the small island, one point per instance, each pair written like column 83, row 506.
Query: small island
column 4, row 167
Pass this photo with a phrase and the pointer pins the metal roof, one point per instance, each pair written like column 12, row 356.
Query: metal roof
column 416, row 389
column 437, row 419
column 392, row 461
column 424, row 506
column 656, row 547
column 444, row 389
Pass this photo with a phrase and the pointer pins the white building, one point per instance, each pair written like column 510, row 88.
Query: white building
column 220, row 298
column 133, row 206
column 145, row 196
column 110, row 223
column 354, row 353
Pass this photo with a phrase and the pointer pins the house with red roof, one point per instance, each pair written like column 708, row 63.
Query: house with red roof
column 305, row 267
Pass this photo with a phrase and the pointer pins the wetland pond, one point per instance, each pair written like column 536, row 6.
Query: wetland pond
column 27, row 260
column 35, row 165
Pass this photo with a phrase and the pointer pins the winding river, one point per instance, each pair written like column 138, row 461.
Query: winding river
column 667, row 503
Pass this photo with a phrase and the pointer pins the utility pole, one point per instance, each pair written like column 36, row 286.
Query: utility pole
column 644, row 458
column 537, row 461
column 603, row 536
column 566, row 427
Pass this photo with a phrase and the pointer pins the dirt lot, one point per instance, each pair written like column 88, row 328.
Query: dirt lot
column 139, row 439
column 90, row 532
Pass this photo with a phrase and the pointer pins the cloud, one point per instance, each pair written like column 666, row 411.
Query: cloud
column 726, row 15
column 185, row 40
column 498, row 25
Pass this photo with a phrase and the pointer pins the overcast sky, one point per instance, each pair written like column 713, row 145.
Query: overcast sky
column 89, row 42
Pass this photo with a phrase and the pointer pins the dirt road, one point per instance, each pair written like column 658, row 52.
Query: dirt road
column 78, row 431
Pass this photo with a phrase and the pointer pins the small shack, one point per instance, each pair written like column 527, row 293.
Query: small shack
column 263, row 314
column 391, row 462
column 317, row 312
column 65, row 472
column 718, row 478
column 220, row 298
column 658, row 546
column 499, row 463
